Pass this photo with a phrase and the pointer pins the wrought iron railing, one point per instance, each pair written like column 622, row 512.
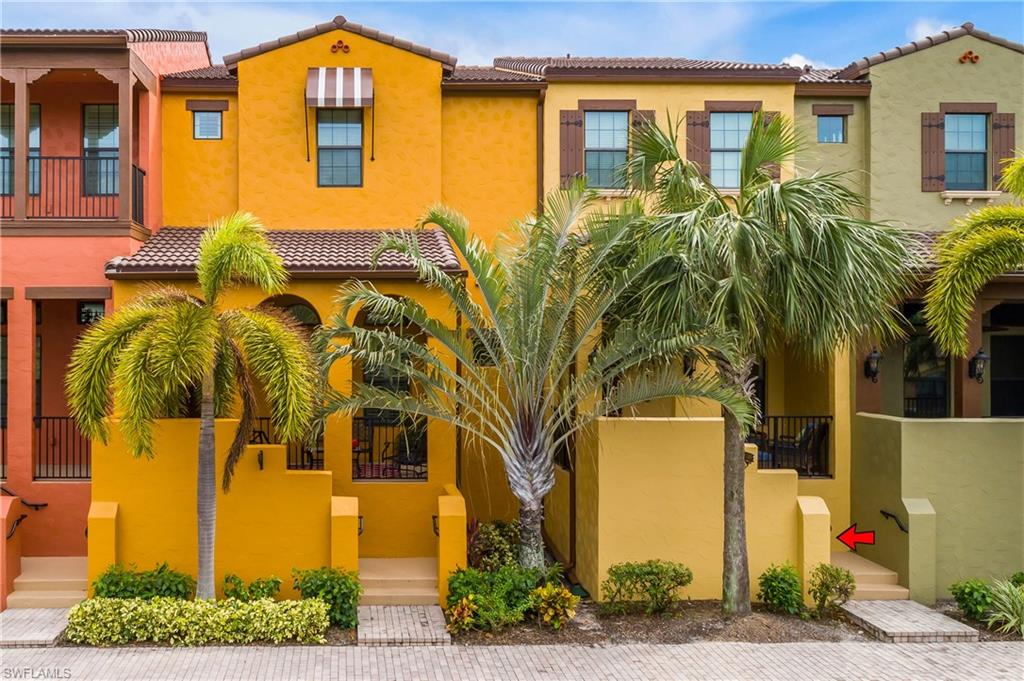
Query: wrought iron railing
column 6, row 185
column 77, row 187
column 386, row 446
column 62, row 451
column 925, row 407
column 797, row 442
column 301, row 456
column 138, row 195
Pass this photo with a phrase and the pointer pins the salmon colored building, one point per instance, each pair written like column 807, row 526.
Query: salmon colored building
column 80, row 183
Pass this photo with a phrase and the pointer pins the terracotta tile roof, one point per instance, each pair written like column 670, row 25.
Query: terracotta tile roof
column 925, row 242
column 489, row 74
column 215, row 72
column 824, row 76
column 132, row 35
column 612, row 66
column 862, row 66
column 340, row 22
column 172, row 252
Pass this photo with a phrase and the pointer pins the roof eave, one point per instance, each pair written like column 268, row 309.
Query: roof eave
column 670, row 75
column 493, row 86
column 824, row 89
column 199, row 85
column 140, row 273
column 60, row 40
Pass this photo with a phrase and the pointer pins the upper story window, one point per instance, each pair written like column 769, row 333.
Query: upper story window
column 606, row 144
column 966, row 151
column 831, row 129
column 729, row 132
column 7, row 149
column 206, row 125
column 100, row 137
column 339, row 147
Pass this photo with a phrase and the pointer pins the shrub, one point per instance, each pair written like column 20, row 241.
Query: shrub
column 339, row 589
column 554, row 604
column 972, row 597
column 500, row 598
column 780, row 589
column 831, row 586
column 235, row 587
column 174, row 621
column 462, row 614
column 120, row 582
column 494, row 545
column 1017, row 578
column 1006, row 607
column 654, row 584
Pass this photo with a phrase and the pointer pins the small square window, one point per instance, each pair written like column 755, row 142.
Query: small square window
column 831, row 129
column 206, row 125
column 90, row 311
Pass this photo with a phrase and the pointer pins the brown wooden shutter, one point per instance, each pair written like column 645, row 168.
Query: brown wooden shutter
column 642, row 117
column 570, row 145
column 774, row 169
column 1002, row 144
column 698, row 139
column 933, row 152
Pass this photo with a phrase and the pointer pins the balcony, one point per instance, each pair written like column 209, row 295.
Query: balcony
column 74, row 188
column 797, row 442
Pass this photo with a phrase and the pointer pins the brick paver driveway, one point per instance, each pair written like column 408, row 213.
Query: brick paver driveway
column 791, row 661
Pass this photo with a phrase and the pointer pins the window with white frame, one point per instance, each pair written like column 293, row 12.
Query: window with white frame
column 606, row 145
column 339, row 152
column 7, row 149
column 100, row 138
column 206, row 125
column 966, row 151
column 729, row 132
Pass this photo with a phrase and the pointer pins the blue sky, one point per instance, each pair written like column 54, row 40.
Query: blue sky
column 824, row 33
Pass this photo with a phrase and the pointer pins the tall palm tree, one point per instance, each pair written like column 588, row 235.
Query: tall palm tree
column 773, row 264
column 151, row 357
column 981, row 246
column 515, row 387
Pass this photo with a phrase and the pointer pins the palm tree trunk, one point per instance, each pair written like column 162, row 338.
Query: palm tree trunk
column 531, row 541
column 206, row 492
column 735, row 568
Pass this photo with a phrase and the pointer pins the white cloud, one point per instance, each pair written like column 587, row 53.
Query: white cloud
column 926, row 26
column 797, row 59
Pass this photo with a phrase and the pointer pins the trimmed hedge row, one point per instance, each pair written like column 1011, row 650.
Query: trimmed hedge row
column 178, row 622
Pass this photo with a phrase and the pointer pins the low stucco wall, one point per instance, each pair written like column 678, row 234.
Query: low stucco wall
column 144, row 509
column 959, row 484
column 653, row 488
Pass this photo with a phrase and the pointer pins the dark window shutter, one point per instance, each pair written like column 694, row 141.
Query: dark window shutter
column 698, row 139
column 570, row 145
column 642, row 117
column 933, row 152
column 774, row 169
column 1002, row 144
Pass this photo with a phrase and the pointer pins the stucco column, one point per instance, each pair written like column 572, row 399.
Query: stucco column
column 868, row 393
column 124, row 146
column 967, row 391
column 20, row 389
column 20, row 160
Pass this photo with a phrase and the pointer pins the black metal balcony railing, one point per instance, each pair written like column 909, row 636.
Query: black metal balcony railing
column 3, row 448
column 62, row 452
column 138, row 195
column 797, row 442
column 301, row 456
column 6, row 186
column 386, row 447
column 925, row 407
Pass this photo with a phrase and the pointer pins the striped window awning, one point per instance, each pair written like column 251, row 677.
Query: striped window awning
column 334, row 87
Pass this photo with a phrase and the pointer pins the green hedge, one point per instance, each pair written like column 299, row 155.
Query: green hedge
column 121, row 621
column 118, row 581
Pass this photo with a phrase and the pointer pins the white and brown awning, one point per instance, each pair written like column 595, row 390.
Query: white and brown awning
column 337, row 87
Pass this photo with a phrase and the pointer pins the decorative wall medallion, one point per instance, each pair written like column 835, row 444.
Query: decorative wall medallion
column 342, row 47
column 970, row 57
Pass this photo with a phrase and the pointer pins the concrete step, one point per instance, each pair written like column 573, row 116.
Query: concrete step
column 880, row 592
column 399, row 596
column 867, row 573
column 904, row 621
column 401, row 625
column 44, row 599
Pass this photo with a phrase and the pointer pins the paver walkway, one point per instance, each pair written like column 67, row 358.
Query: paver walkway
column 738, row 661
column 401, row 625
column 31, row 626
column 907, row 622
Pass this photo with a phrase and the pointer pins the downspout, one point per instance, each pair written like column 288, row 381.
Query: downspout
column 540, row 148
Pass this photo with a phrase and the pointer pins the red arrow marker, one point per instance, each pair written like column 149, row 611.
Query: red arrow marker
column 851, row 537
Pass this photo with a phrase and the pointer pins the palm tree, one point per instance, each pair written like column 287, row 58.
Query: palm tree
column 515, row 387
column 153, row 355
column 773, row 264
column 981, row 246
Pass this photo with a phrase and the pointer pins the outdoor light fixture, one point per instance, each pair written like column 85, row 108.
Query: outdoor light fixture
column 871, row 364
column 976, row 367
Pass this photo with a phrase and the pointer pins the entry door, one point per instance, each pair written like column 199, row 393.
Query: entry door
column 1007, row 375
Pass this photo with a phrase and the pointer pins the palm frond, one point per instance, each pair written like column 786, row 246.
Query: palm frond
column 234, row 250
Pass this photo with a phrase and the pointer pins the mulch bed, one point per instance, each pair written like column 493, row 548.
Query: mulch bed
column 688, row 622
column 949, row 609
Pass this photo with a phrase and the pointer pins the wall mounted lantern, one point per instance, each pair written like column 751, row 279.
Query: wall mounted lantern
column 976, row 367
column 871, row 364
